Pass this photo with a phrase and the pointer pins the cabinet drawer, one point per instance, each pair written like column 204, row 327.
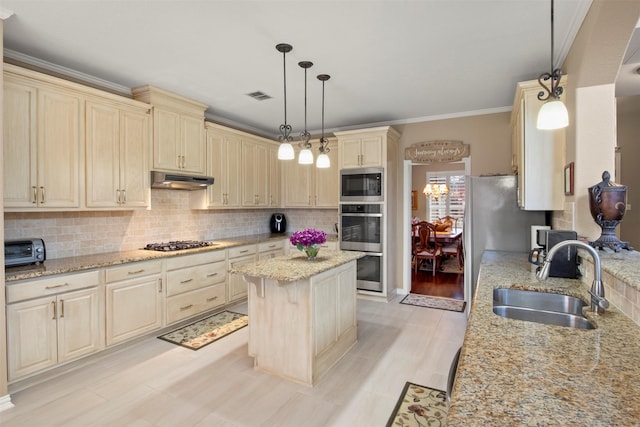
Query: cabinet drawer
column 271, row 245
column 190, row 278
column 133, row 270
column 195, row 259
column 191, row 303
column 23, row 290
column 242, row 251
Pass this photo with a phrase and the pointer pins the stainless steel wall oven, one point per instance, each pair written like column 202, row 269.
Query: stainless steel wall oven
column 361, row 230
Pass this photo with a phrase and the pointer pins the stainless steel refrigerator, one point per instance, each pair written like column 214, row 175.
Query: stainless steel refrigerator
column 493, row 221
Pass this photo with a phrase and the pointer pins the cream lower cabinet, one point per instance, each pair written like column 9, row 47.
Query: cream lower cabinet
column 237, row 256
column 195, row 284
column 64, row 325
column 117, row 155
column 134, row 295
column 308, row 186
column 42, row 140
column 271, row 249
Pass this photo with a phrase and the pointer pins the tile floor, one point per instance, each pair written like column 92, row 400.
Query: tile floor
column 155, row 383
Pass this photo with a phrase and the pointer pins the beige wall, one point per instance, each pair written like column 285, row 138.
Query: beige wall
column 593, row 63
column 628, row 138
column 488, row 135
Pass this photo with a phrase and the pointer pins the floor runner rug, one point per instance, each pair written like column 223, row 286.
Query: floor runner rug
column 434, row 302
column 419, row 406
column 207, row 330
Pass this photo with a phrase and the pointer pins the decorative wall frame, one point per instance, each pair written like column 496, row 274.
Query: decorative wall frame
column 568, row 179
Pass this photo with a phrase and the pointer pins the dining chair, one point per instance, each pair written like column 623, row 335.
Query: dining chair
column 424, row 250
column 454, row 249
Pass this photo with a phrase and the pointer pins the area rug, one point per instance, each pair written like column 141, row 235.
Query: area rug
column 205, row 331
column 419, row 406
column 434, row 302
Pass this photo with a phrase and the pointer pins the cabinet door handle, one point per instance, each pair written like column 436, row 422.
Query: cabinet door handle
column 57, row 286
column 186, row 307
column 124, row 196
column 212, row 274
column 245, row 251
column 118, row 198
column 35, row 194
column 136, row 271
column 42, row 194
column 55, row 310
column 178, row 161
column 61, row 308
column 159, row 286
column 186, row 281
column 212, row 299
column 183, row 162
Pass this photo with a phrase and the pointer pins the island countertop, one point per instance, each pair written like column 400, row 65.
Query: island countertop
column 514, row 372
column 289, row 268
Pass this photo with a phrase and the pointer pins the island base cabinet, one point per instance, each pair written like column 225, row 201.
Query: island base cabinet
column 299, row 330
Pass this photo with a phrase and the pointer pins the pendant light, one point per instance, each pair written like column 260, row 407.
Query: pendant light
column 306, row 156
column 553, row 114
column 323, row 160
column 285, row 151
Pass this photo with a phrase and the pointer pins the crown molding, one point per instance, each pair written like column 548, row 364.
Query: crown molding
column 58, row 70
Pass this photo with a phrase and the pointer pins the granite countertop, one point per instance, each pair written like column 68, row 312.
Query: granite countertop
column 289, row 268
column 87, row 262
column 513, row 372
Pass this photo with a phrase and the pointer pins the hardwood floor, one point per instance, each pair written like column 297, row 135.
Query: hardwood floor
column 448, row 285
column 155, row 383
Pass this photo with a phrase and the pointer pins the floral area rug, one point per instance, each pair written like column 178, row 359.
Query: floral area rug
column 434, row 302
column 207, row 330
column 419, row 406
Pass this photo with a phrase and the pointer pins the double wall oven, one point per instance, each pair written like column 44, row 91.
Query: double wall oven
column 361, row 230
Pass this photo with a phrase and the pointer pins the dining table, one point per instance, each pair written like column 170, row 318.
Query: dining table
column 450, row 236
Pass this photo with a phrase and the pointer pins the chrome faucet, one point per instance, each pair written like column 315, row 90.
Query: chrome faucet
column 598, row 302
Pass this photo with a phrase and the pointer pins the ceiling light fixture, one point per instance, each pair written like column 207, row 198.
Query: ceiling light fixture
column 323, row 160
column 553, row 114
column 306, row 156
column 285, row 151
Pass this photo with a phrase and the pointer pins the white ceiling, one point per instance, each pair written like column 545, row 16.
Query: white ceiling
column 390, row 62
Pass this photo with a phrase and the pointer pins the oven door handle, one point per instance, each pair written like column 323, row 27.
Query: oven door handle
column 371, row 215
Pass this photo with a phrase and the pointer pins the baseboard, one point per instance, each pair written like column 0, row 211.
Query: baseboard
column 5, row 403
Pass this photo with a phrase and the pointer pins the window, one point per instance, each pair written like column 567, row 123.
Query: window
column 453, row 203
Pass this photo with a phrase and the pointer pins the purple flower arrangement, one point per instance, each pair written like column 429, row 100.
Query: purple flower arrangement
column 307, row 237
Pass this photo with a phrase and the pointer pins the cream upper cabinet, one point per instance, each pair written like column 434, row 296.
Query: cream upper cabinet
column 538, row 155
column 224, row 165
column 255, row 173
column 117, row 152
column 309, row 186
column 358, row 151
column 275, row 181
column 43, row 138
column 178, row 130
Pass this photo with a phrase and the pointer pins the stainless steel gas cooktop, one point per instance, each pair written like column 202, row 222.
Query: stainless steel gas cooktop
column 178, row 245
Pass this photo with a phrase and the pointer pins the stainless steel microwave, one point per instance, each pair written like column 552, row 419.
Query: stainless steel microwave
column 24, row 252
column 361, row 185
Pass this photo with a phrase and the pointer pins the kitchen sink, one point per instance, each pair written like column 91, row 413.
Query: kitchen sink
column 541, row 307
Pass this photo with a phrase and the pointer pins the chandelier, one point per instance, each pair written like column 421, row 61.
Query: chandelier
column 553, row 113
column 435, row 191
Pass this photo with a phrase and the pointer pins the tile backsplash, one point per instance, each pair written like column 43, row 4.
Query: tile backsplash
column 81, row 233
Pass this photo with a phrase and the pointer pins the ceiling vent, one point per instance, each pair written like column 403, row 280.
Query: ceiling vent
column 259, row 95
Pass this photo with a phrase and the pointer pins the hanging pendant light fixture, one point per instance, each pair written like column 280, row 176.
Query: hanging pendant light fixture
column 306, row 156
column 553, row 114
column 323, row 160
column 285, row 151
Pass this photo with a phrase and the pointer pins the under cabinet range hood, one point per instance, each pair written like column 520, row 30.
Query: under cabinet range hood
column 175, row 181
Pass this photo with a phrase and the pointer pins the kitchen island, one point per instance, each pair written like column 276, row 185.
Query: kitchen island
column 302, row 313
column 513, row 372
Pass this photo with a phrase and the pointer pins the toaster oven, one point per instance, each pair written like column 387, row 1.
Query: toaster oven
column 24, row 252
